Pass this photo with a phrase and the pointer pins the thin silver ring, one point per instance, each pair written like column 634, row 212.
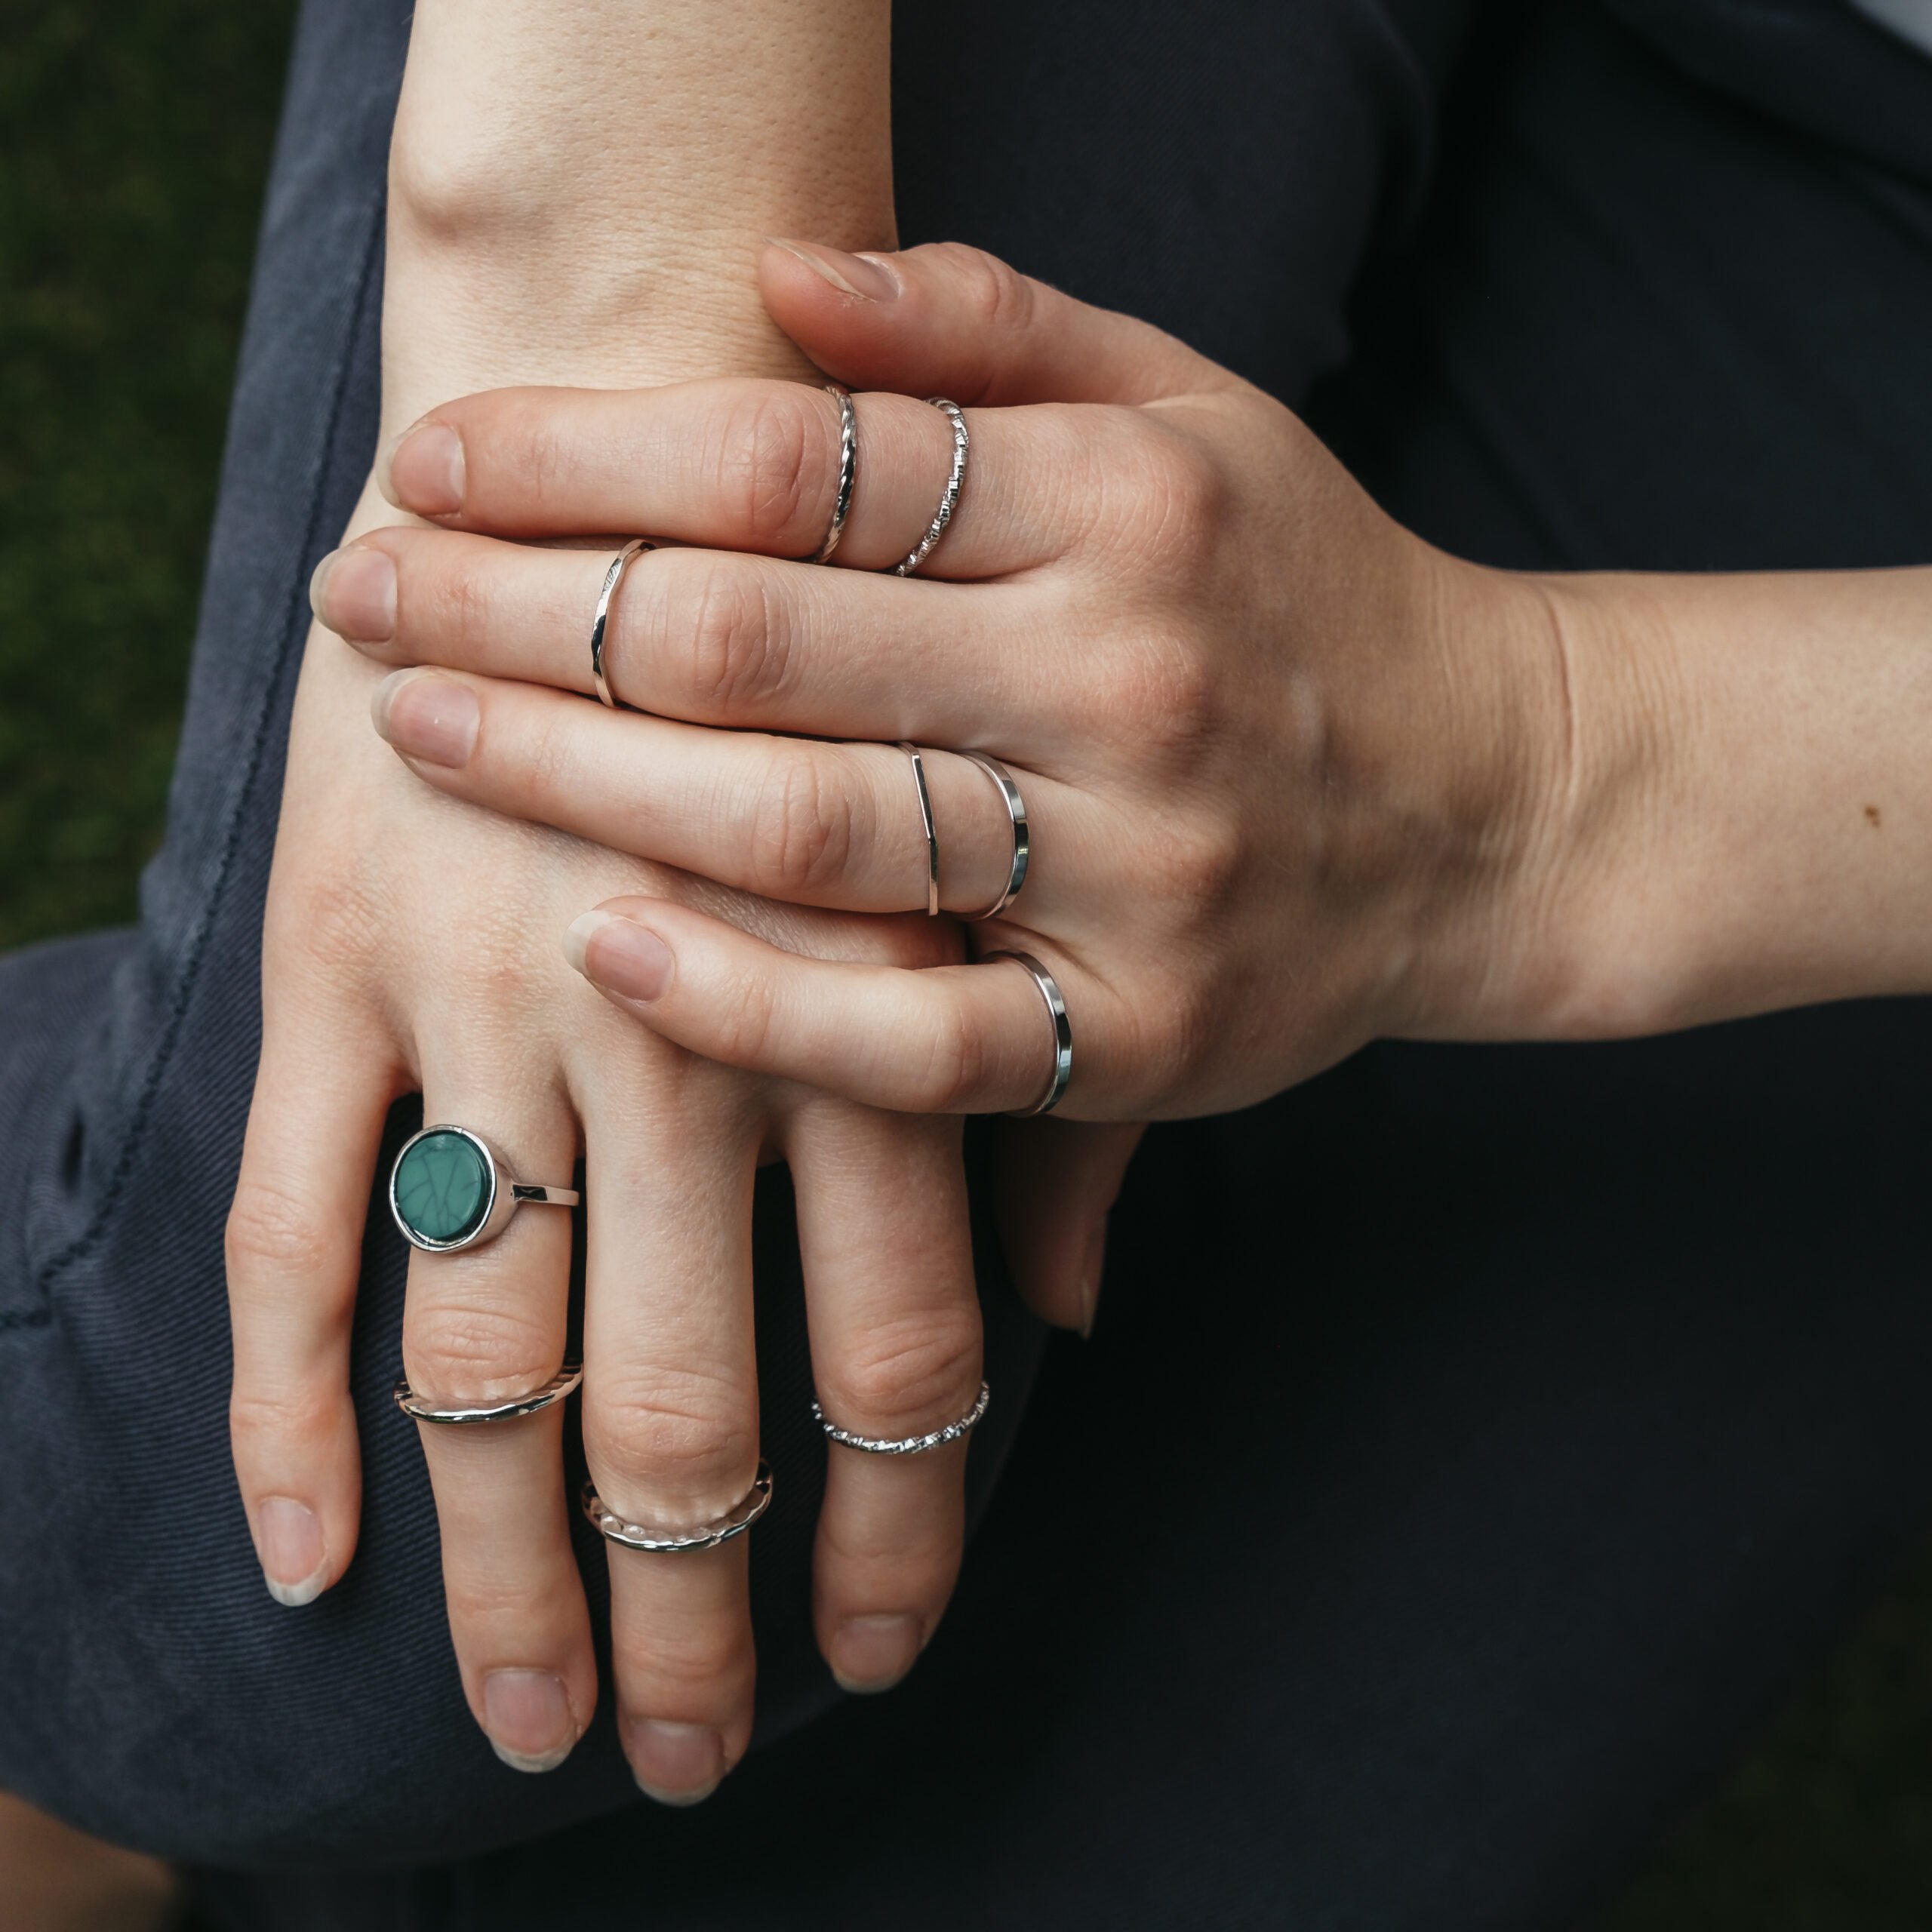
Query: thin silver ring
column 908, row 1445
column 848, row 470
column 499, row 1194
column 912, row 751
column 1063, row 1032
column 734, row 1522
column 1016, row 810
column 948, row 503
column 563, row 1383
column 613, row 577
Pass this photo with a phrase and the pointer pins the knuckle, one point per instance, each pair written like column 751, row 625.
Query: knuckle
column 779, row 466
column 457, row 1352
column 1166, row 695
column 994, row 297
column 275, row 1232
column 907, row 1376
column 307, row 1412
column 952, row 1072
column 804, row 825
column 679, row 1444
column 735, row 649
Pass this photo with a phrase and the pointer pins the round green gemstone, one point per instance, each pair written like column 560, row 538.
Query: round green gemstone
column 442, row 1187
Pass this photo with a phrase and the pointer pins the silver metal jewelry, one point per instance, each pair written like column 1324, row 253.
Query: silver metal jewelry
column 613, row 577
column 563, row 1383
column 450, row 1189
column 1016, row 810
column 848, row 470
column 1063, row 1032
column 907, row 1445
column 912, row 751
column 734, row 1522
column 950, row 502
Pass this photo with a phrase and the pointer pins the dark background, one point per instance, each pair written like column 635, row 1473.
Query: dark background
column 136, row 143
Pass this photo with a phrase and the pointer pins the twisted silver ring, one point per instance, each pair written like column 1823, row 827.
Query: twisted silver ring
column 848, row 470
column 560, row 1385
column 912, row 751
column 907, row 1445
column 734, row 1522
column 1016, row 810
column 1063, row 1032
column 949, row 501
column 613, row 577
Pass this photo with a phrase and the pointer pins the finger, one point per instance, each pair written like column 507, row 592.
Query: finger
column 1054, row 1183
column 742, row 464
column 795, row 819
column 483, row 1326
column 946, row 1039
column 295, row 1253
column 670, row 1410
column 888, row 1249
column 953, row 320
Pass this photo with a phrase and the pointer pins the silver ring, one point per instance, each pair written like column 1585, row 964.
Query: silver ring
column 613, row 577
column 950, row 502
column 912, row 751
column 907, row 1445
column 1016, row 810
column 450, row 1189
column 563, row 1383
column 848, row 470
column 1063, row 1032
column 734, row 1522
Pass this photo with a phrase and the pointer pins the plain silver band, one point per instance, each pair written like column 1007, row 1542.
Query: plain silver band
column 507, row 1194
column 908, row 1445
column 1016, row 810
column 613, row 577
column 848, row 470
column 562, row 1384
column 950, row 502
column 735, row 1522
column 912, row 751
column 1063, row 1032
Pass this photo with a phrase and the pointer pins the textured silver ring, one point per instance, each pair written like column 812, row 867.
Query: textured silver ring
column 848, row 470
column 450, row 1189
column 563, row 1383
column 912, row 751
column 949, row 501
column 613, row 577
column 908, row 1445
column 734, row 1522
column 1063, row 1032
column 1016, row 810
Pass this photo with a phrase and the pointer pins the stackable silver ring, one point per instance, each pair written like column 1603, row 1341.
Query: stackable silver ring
column 907, row 1445
column 949, row 501
column 450, row 1189
column 848, row 470
column 613, row 577
column 1016, row 810
column 1063, row 1032
column 912, row 751
column 562, row 1384
column 734, row 1522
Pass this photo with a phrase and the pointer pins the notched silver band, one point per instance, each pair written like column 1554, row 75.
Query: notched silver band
column 912, row 751
column 563, row 1383
column 1063, row 1032
column 949, row 501
column 907, row 1445
column 613, row 577
column 734, row 1522
column 1022, row 847
column 848, row 470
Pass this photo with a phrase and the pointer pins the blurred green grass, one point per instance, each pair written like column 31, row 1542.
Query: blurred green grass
column 136, row 139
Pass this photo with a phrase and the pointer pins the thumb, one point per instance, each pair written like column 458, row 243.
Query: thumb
column 948, row 320
column 1053, row 1182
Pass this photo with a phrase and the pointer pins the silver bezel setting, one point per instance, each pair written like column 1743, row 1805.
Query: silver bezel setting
column 497, row 1212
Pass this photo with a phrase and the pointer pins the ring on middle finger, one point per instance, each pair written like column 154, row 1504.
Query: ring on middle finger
column 912, row 752
column 600, row 622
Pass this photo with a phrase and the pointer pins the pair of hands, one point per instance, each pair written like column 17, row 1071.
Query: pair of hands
column 1292, row 777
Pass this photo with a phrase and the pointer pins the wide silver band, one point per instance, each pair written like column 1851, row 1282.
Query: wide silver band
column 907, row 1445
column 848, row 470
column 1016, row 810
column 563, row 1383
column 912, row 751
column 949, row 501
column 613, row 577
column 504, row 1194
column 734, row 1522
column 1063, row 1032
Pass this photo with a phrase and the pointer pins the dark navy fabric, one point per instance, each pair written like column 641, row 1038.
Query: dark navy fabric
column 1476, row 1441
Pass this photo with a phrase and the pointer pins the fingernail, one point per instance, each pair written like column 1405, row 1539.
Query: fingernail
column 1091, row 1267
column 422, row 470
column 851, row 274
column 618, row 955
column 353, row 593
column 526, row 1716
column 676, row 1764
column 871, row 1653
column 288, row 1538
column 427, row 717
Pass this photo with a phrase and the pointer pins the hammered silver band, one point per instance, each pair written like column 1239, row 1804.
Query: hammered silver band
column 1015, row 811
column 734, row 1522
column 907, row 1445
column 563, row 1383
column 848, row 470
column 613, row 577
column 1063, row 1033
column 949, row 500
column 912, row 751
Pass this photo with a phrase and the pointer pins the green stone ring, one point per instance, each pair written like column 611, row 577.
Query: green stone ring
column 450, row 1190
